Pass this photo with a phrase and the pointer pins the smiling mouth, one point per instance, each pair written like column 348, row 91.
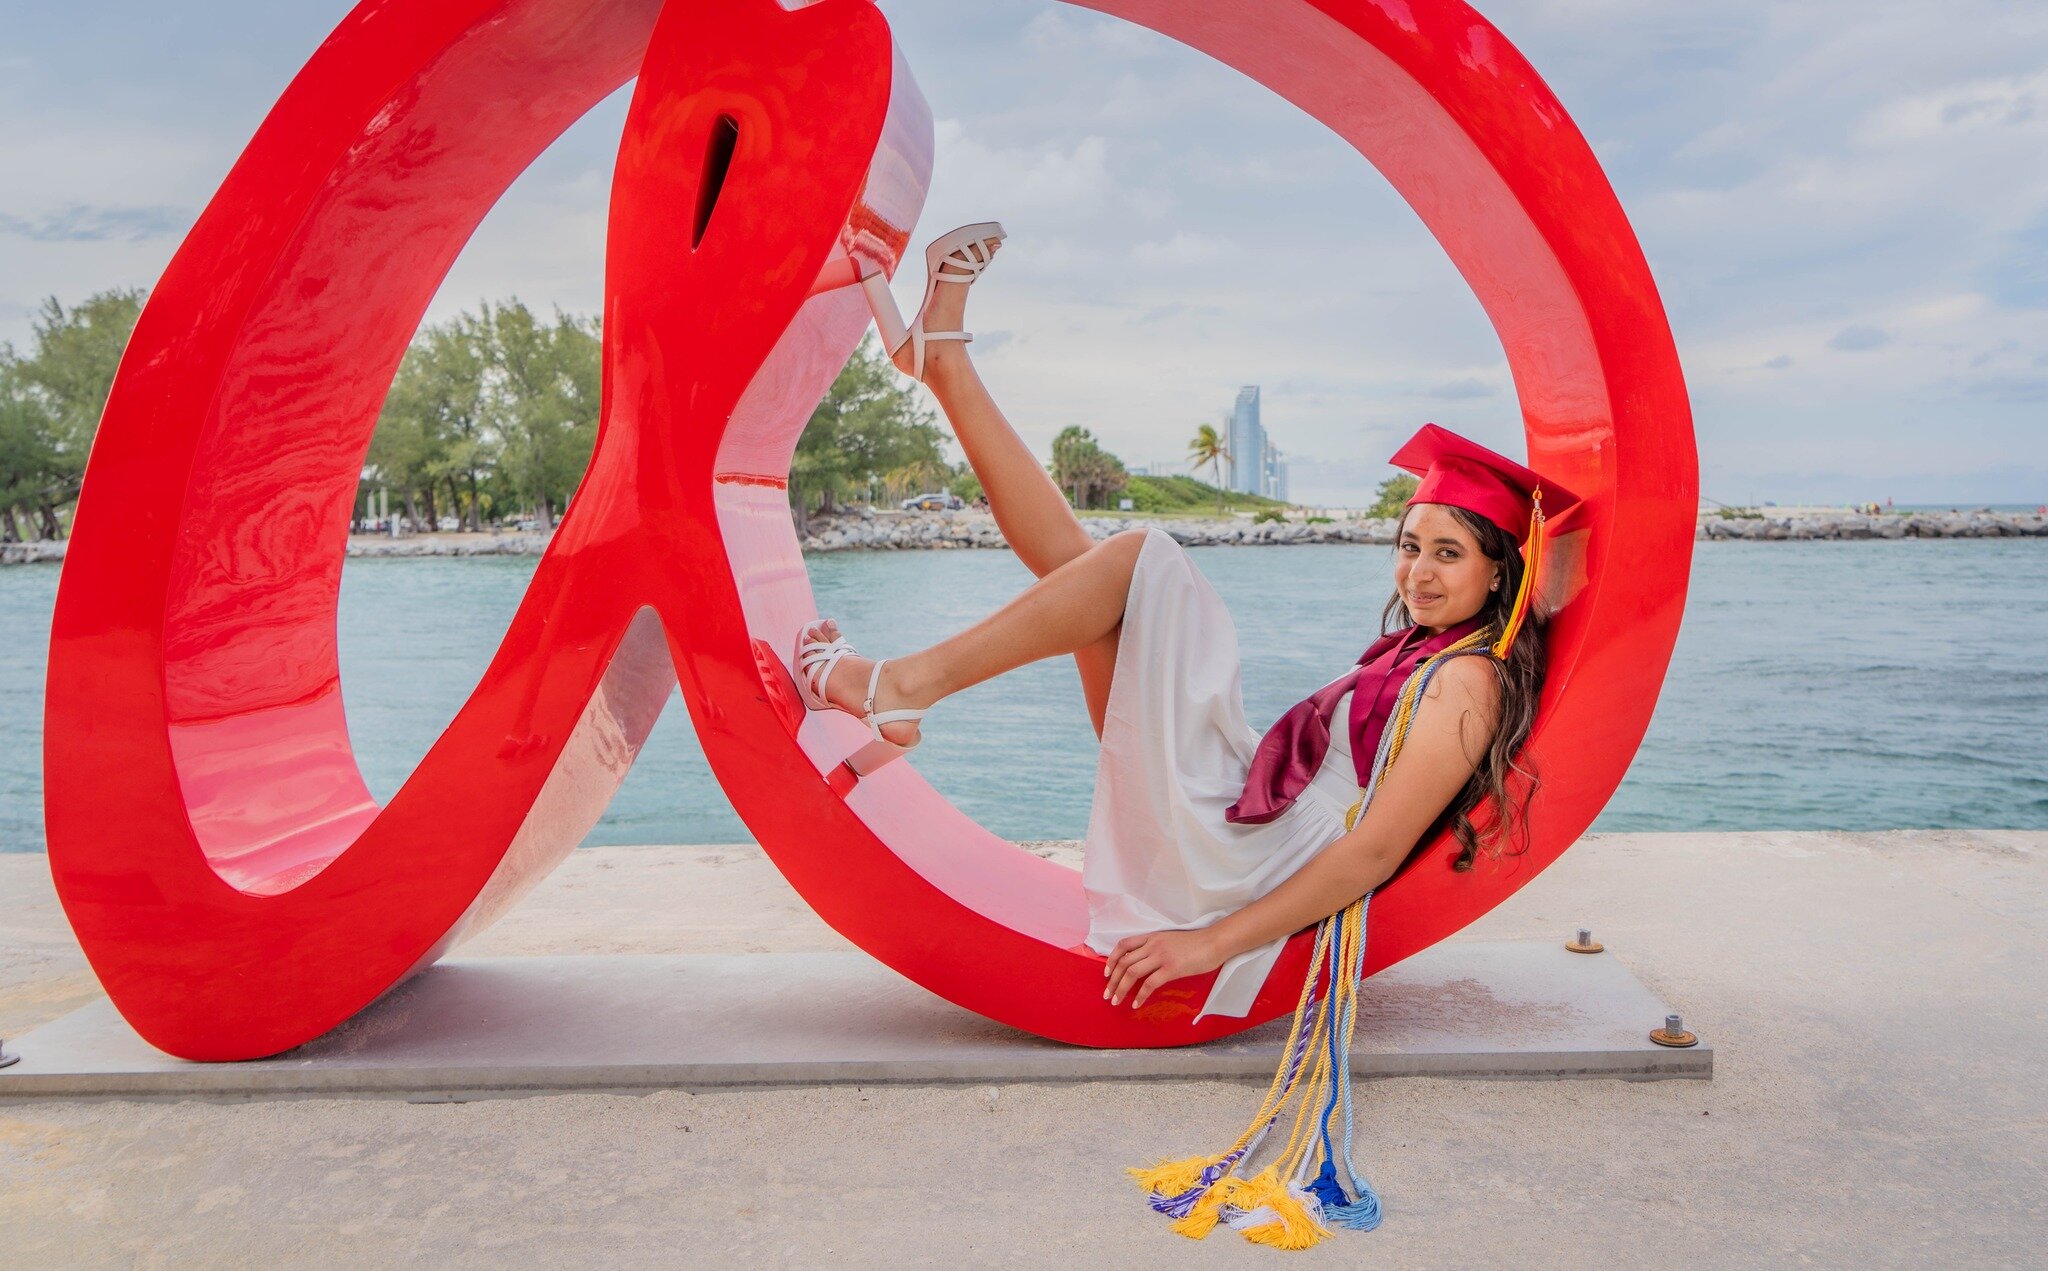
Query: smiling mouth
column 1425, row 600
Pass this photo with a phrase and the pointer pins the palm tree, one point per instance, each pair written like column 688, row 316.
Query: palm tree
column 1208, row 449
column 916, row 477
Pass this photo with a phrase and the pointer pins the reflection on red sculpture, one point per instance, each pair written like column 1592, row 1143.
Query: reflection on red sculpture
column 235, row 886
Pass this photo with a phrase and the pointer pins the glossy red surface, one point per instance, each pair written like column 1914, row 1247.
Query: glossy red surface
column 235, row 886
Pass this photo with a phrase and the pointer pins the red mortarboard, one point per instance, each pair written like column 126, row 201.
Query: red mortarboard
column 1465, row 474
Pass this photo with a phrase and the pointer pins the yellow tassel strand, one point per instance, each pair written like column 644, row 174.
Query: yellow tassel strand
column 1293, row 1225
column 1530, row 564
column 1303, row 1136
column 1171, row 1178
column 1208, row 1211
column 1261, row 1189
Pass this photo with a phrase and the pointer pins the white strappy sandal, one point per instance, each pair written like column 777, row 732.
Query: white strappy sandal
column 814, row 662
column 968, row 249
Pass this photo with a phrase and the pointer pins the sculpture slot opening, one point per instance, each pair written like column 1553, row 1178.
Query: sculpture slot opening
column 725, row 137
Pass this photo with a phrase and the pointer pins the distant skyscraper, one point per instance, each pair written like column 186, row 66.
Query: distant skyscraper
column 1272, row 473
column 1247, row 443
column 1255, row 462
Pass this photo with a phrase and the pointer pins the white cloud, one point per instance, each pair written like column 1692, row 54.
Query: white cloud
column 1184, row 248
column 1858, row 338
column 2012, row 102
column 1062, row 31
column 1066, row 177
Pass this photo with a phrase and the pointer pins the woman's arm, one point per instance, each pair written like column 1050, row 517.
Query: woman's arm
column 1446, row 741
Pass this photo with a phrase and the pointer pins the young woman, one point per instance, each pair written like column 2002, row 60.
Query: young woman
column 1207, row 844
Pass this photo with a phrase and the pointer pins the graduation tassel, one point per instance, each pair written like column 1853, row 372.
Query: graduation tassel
column 1524, row 590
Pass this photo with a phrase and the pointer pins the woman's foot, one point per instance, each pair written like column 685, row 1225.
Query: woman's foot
column 846, row 688
column 945, row 311
column 952, row 262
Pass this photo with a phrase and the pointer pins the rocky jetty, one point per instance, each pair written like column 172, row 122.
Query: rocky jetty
column 449, row 545
column 51, row 550
column 905, row 531
column 896, row 532
column 1978, row 524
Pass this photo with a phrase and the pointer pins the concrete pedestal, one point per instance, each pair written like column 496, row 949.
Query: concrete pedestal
column 481, row 1027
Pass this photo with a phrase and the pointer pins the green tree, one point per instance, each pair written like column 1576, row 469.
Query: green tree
column 403, row 449
column 869, row 423
column 915, row 477
column 541, row 403
column 965, row 482
column 26, row 457
column 1082, row 468
column 432, row 434
column 1394, row 495
column 52, row 400
column 579, row 365
column 1207, row 450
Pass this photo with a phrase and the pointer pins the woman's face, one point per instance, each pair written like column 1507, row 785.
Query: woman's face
column 1439, row 570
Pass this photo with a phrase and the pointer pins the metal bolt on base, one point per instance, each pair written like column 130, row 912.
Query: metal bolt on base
column 1673, row 1033
column 1584, row 942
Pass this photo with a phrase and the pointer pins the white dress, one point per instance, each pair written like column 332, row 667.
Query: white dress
column 1175, row 750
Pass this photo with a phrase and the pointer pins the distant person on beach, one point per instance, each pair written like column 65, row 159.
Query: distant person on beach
column 1208, row 844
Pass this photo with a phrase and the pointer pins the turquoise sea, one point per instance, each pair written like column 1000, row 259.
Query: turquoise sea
column 1816, row 685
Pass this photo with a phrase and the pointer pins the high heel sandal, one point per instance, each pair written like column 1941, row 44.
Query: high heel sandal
column 815, row 660
column 966, row 248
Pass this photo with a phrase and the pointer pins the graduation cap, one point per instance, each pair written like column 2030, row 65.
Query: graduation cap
column 1465, row 474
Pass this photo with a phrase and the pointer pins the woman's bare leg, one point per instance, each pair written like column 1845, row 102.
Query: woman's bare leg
column 1074, row 607
column 1029, row 509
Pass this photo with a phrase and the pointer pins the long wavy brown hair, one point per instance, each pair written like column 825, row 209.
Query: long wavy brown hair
column 1521, row 682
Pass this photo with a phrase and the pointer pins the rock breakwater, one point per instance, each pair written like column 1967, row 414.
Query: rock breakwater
column 887, row 532
column 1978, row 524
column 450, row 545
column 32, row 553
column 891, row 531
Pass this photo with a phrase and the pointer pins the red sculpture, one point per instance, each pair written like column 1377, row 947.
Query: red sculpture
column 229, row 876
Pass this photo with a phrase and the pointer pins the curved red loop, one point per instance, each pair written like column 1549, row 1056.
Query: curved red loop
column 232, row 881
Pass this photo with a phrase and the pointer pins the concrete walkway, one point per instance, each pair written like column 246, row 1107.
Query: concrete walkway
column 1875, row 1000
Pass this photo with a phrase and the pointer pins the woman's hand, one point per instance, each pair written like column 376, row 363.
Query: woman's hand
column 1145, row 963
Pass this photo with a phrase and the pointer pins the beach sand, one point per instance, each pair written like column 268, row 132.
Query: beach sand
column 1875, row 1002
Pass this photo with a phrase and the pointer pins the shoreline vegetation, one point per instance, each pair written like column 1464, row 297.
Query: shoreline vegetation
column 867, row 529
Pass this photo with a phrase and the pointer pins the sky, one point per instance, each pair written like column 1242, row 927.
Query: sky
column 1844, row 203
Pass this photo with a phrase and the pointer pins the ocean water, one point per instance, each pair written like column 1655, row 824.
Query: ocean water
column 1816, row 685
